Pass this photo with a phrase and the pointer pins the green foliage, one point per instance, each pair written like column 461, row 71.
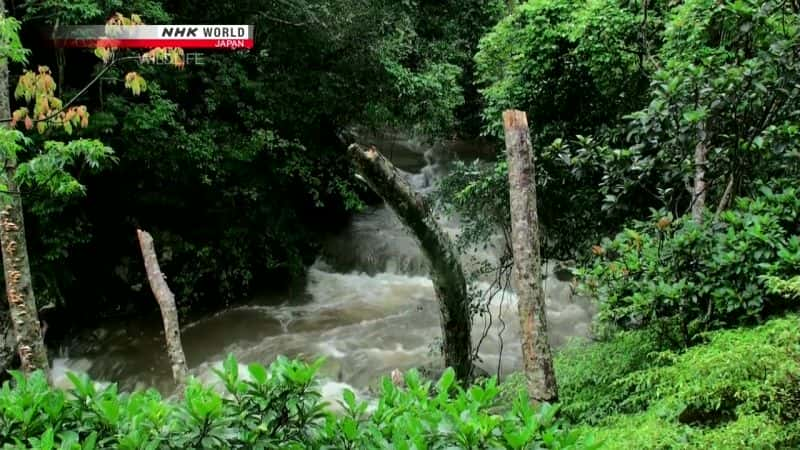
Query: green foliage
column 74, row 12
column 698, row 277
column 46, row 166
column 479, row 195
column 276, row 407
column 425, row 59
column 738, row 390
column 454, row 417
column 735, row 373
column 12, row 143
column 618, row 96
column 576, row 68
column 11, row 48
column 789, row 288
column 48, row 169
column 435, row 82
column 589, row 374
column 232, row 163
column 566, row 63
column 729, row 79
column 516, row 74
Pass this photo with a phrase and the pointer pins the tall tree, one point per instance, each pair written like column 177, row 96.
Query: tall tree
column 16, row 267
column 536, row 354
column 47, row 168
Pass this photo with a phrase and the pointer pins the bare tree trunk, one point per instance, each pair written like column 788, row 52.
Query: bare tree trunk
column 446, row 272
column 700, row 161
column 727, row 196
column 16, row 267
column 537, row 357
column 169, row 313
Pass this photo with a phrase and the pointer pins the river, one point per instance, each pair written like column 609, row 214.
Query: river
column 368, row 306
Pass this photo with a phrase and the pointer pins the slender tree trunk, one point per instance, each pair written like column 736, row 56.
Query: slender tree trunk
column 727, row 196
column 537, row 357
column 16, row 267
column 700, row 161
column 446, row 272
column 169, row 312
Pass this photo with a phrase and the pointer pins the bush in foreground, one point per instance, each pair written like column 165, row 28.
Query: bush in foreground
column 738, row 389
column 275, row 407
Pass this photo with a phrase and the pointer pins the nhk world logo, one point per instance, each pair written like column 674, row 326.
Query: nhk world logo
column 209, row 32
column 157, row 36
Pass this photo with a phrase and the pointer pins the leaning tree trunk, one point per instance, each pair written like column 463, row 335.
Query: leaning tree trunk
column 700, row 185
column 536, row 354
column 727, row 196
column 16, row 267
column 446, row 272
column 169, row 313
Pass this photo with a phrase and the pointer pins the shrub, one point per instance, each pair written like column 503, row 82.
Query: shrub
column 738, row 390
column 589, row 372
column 276, row 407
column 699, row 277
column 789, row 288
column 737, row 372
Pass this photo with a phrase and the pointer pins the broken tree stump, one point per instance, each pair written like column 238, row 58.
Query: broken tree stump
column 536, row 354
column 169, row 312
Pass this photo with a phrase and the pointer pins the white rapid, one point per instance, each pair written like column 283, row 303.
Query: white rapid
column 367, row 307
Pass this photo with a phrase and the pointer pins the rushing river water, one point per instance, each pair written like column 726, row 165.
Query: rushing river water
column 368, row 307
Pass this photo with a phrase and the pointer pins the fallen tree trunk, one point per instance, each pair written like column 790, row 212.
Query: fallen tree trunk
column 446, row 272
column 536, row 355
column 169, row 313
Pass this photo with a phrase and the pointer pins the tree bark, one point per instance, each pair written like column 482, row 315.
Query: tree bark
column 8, row 347
column 16, row 266
column 536, row 353
column 169, row 312
column 700, row 161
column 446, row 271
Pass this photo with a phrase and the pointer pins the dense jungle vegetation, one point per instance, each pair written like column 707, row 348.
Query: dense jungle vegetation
column 667, row 147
